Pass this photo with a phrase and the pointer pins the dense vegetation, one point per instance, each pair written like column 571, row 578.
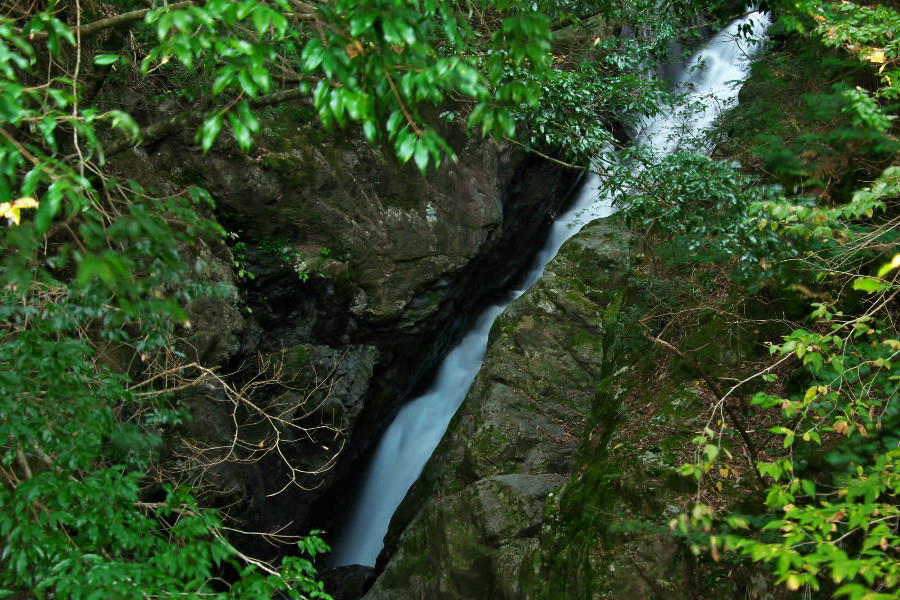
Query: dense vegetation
column 93, row 264
column 94, row 276
column 816, row 221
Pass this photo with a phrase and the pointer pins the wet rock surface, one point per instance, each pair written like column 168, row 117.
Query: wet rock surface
column 390, row 241
column 347, row 267
column 558, row 476
column 347, row 583
column 471, row 526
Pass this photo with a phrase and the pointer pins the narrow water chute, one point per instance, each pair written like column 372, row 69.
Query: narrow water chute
column 711, row 77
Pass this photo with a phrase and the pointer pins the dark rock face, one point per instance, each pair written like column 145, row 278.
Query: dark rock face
column 558, row 476
column 218, row 330
column 254, row 454
column 347, row 583
column 348, row 246
column 475, row 517
column 396, row 242
column 364, row 271
column 409, row 258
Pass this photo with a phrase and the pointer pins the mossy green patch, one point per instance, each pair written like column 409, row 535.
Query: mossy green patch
column 489, row 443
column 793, row 123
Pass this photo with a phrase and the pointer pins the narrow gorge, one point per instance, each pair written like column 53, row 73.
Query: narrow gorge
column 414, row 299
column 472, row 527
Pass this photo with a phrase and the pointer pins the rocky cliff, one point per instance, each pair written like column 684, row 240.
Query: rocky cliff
column 557, row 477
column 352, row 274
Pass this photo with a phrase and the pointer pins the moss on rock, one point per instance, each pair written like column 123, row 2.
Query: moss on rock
column 604, row 430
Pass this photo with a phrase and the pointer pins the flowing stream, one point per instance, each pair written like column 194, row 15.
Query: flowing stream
column 712, row 77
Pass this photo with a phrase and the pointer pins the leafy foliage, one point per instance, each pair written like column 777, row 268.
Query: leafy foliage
column 865, row 31
column 98, row 265
column 92, row 264
column 828, row 516
column 811, row 136
column 386, row 64
column 372, row 63
column 700, row 209
column 577, row 113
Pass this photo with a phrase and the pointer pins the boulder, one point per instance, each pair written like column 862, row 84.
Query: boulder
column 344, row 257
column 558, row 476
column 471, row 526
column 346, row 583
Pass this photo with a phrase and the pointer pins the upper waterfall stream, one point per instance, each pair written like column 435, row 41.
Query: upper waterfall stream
column 712, row 76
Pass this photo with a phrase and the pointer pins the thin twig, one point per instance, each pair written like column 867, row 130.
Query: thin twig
column 114, row 21
column 717, row 392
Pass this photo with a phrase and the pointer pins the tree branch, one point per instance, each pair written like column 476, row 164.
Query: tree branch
column 115, row 21
column 23, row 463
column 717, row 391
column 161, row 129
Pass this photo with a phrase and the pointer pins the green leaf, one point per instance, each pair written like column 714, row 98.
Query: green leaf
column 31, row 180
column 49, row 206
column 240, row 131
column 222, row 80
column 361, row 23
column 209, row 131
column 248, row 86
column 406, row 145
column 890, row 266
column 393, row 123
column 320, row 95
column 262, row 77
column 421, row 155
column 247, row 116
column 312, row 56
column 261, row 19
column 507, row 123
column 370, row 130
column 868, row 284
column 809, row 488
column 105, row 59
column 124, row 123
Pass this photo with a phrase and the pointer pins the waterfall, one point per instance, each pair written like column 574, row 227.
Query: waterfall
column 712, row 76
column 711, row 80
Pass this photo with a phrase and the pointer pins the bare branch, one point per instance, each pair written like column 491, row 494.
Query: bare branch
column 736, row 420
column 259, row 429
column 191, row 118
column 114, row 21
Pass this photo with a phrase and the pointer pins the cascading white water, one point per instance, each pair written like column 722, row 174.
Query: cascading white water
column 711, row 80
column 712, row 75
